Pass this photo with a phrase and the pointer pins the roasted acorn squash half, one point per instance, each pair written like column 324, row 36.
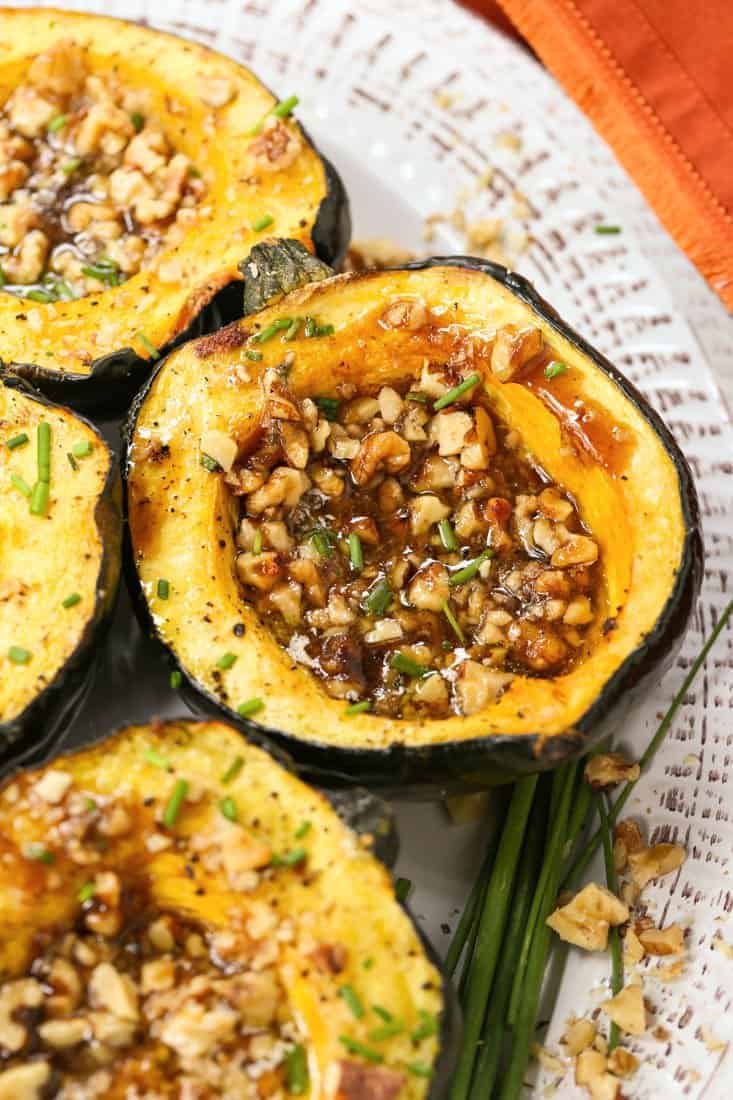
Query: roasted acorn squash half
column 181, row 912
column 165, row 162
column 544, row 566
column 59, row 558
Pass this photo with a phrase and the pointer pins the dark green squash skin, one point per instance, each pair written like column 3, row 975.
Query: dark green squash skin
column 366, row 814
column 114, row 379
column 45, row 717
column 430, row 771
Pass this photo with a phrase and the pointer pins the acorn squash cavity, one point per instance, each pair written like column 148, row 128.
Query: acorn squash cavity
column 94, row 350
column 248, row 907
column 59, row 567
column 615, row 458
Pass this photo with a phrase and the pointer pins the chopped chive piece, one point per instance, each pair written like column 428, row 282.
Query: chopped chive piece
column 400, row 662
column 296, row 1069
column 252, row 706
column 453, row 621
column 457, row 391
column 229, row 809
column 309, row 327
column 57, row 123
column 386, row 1031
column 289, row 859
column 44, row 451
column 378, row 598
column 87, row 892
column 72, row 461
column 285, row 106
column 419, row 1069
column 156, row 758
column 255, row 356
column 82, row 449
column 176, row 679
column 428, row 1026
column 164, row 589
column 607, row 229
column 329, row 407
column 471, row 569
column 356, row 552
column 148, row 345
column 323, row 540
column 90, row 804
column 383, row 1014
column 39, row 498
column 257, row 542
column 194, row 172
column 18, row 655
column 553, row 369
column 368, row 963
column 17, row 441
column 324, row 330
column 209, row 463
column 233, row 770
column 71, row 165
column 226, row 661
column 402, row 888
column 355, row 1047
column 21, row 485
column 108, row 275
column 448, row 535
column 292, row 330
column 137, row 121
column 262, row 223
column 272, row 329
column 173, row 808
column 413, row 395
column 281, row 110
column 43, row 296
column 302, row 830
column 3, row 280
column 39, row 854
column 358, row 708
column 71, row 601
column 351, row 997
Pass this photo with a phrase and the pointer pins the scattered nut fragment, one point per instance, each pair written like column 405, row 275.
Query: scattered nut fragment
column 622, row 1062
column 668, row 941
column 650, row 863
column 609, row 769
column 513, row 350
column 547, row 1059
column 52, row 786
column 627, row 1010
column 219, row 446
column 578, row 1036
column 591, row 1071
column 633, row 948
column 585, row 920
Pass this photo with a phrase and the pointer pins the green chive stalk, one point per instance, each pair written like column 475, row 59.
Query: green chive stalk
column 617, row 964
column 490, row 1051
column 493, row 920
column 560, row 799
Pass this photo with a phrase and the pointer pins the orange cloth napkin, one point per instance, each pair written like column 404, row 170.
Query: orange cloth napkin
column 656, row 79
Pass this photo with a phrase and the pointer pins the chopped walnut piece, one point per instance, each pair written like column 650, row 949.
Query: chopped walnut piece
column 24, row 1082
column 585, row 920
column 627, row 1010
column 591, row 1071
column 622, row 1063
column 219, row 446
column 357, row 1081
column 386, row 449
column 608, row 769
column 633, row 948
column 549, row 1061
column 578, row 1035
column 477, row 686
column 667, row 941
column 405, row 313
column 513, row 350
column 650, row 863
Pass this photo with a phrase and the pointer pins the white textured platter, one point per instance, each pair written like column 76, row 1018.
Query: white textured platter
column 408, row 101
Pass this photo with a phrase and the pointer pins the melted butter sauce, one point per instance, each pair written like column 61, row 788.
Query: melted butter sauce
column 599, row 438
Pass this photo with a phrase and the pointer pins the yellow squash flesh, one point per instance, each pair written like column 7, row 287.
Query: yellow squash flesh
column 179, row 77
column 72, row 549
column 182, row 517
column 344, row 897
